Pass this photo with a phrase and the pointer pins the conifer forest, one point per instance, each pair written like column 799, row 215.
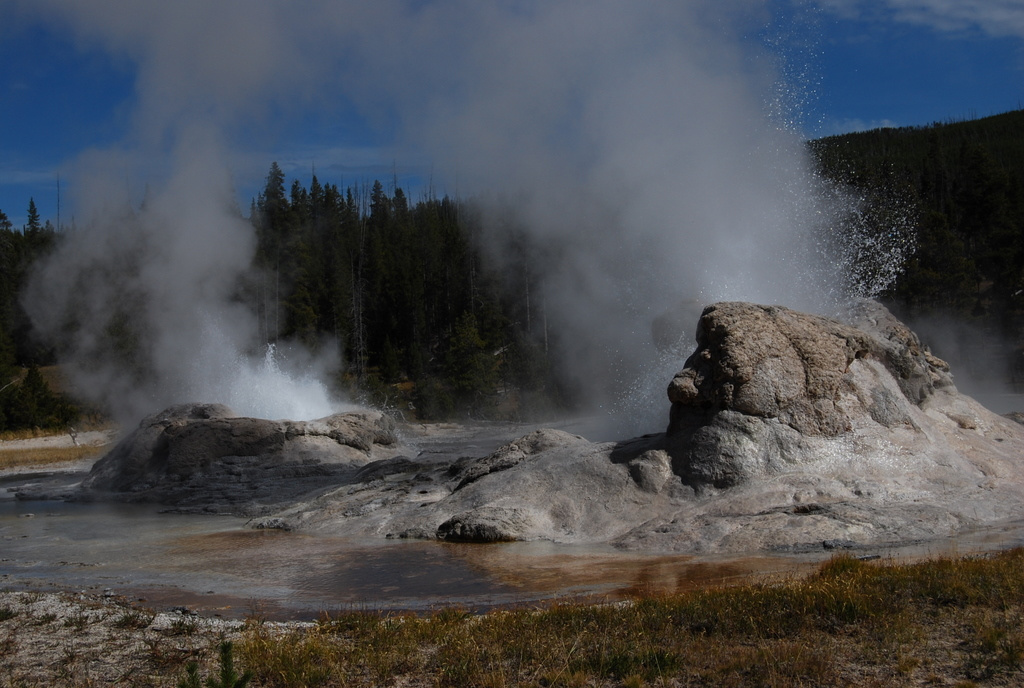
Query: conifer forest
column 430, row 326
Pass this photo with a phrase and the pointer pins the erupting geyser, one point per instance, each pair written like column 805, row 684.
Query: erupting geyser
column 642, row 145
column 261, row 389
column 148, row 307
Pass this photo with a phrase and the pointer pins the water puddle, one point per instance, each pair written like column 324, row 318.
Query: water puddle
column 216, row 564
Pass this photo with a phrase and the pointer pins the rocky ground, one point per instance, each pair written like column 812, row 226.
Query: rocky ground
column 70, row 638
column 785, row 431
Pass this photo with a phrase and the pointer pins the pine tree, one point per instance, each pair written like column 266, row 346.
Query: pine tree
column 472, row 369
column 34, row 224
column 271, row 226
column 33, row 405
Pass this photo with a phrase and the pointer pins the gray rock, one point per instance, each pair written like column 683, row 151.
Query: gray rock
column 918, row 373
column 271, row 524
column 651, row 470
column 765, row 380
column 201, row 457
column 510, row 455
column 547, row 484
column 486, row 524
column 767, row 362
column 786, row 432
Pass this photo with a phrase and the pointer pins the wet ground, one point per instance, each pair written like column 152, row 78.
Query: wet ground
column 217, row 565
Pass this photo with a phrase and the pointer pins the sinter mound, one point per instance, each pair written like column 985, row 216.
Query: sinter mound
column 786, row 430
column 203, row 457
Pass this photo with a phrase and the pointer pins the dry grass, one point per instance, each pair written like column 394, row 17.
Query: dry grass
column 25, row 434
column 951, row 622
column 43, row 456
column 851, row 623
column 86, row 424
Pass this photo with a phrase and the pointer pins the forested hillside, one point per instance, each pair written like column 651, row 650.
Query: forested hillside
column 966, row 183
column 424, row 326
column 25, row 399
column 403, row 290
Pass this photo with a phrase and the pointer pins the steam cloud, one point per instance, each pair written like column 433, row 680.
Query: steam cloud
column 152, row 299
column 635, row 138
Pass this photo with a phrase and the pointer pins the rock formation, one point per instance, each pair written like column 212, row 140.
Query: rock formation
column 838, row 432
column 786, row 430
column 201, row 456
column 765, row 381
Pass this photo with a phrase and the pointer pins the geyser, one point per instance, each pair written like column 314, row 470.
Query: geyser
column 147, row 306
column 641, row 143
column 263, row 390
column 204, row 457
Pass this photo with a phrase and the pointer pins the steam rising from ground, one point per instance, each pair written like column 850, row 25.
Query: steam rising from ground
column 633, row 138
column 144, row 304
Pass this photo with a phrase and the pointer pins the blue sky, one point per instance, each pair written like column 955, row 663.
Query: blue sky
column 70, row 83
column 901, row 63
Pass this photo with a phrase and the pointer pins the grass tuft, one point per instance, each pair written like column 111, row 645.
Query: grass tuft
column 796, row 632
column 134, row 618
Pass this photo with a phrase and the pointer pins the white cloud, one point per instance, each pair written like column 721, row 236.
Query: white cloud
column 994, row 17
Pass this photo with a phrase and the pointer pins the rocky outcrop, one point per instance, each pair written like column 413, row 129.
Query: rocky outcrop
column 548, row 484
column 765, row 381
column 767, row 362
column 786, row 431
column 201, row 456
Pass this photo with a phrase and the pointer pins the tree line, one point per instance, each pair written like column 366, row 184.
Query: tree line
column 427, row 325
column 404, row 291
column 26, row 400
column 965, row 182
